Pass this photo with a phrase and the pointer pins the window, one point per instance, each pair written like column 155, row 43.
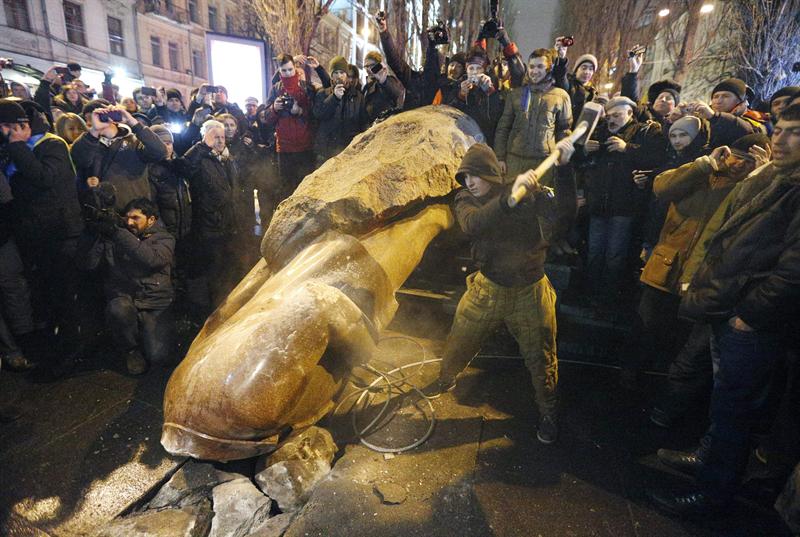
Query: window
column 173, row 57
column 193, row 11
column 212, row 18
column 73, row 16
column 229, row 24
column 115, row 41
column 198, row 64
column 17, row 14
column 155, row 49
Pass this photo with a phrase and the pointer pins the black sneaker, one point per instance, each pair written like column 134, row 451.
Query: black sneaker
column 686, row 462
column 548, row 430
column 693, row 504
column 438, row 387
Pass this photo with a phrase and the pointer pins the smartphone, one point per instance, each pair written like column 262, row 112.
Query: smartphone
column 148, row 91
column 376, row 68
column 113, row 115
column 212, row 89
column 62, row 71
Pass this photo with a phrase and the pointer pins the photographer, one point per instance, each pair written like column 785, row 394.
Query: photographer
column 577, row 84
column 663, row 96
column 384, row 92
column 289, row 108
column 477, row 95
column 420, row 86
column 168, row 105
column 341, row 113
column 219, row 104
column 138, row 256
column 47, row 217
column 117, row 149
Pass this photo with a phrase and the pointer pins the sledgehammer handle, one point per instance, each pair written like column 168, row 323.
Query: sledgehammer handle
column 517, row 195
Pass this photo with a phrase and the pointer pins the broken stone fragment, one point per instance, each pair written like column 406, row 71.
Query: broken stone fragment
column 189, row 522
column 390, row 493
column 190, row 485
column 295, row 468
column 273, row 527
column 238, row 507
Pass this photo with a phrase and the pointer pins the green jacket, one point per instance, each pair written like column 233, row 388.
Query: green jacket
column 533, row 120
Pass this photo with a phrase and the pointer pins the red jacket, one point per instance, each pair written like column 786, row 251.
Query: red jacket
column 293, row 134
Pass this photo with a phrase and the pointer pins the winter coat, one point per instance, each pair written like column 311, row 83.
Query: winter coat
column 420, row 86
column 140, row 268
column 694, row 192
column 43, row 185
column 727, row 128
column 508, row 245
column 484, row 108
column 172, row 196
column 250, row 164
column 579, row 94
column 213, row 182
column 293, row 134
column 533, row 119
column 380, row 98
column 609, row 174
column 121, row 161
column 752, row 263
column 339, row 121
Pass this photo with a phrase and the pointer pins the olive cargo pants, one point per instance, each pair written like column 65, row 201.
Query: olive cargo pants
column 530, row 315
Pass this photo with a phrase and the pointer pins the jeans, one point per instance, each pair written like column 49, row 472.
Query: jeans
column 741, row 387
column 149, row 330
column 689, row 373
column 15, row 296
column 609, row 243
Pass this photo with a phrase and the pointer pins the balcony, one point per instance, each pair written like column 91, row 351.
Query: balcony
column 165, row 8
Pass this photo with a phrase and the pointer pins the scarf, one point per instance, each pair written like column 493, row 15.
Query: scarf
column 541, row 87
column 291, row 84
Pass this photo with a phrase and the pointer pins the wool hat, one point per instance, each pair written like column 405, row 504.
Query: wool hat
column 12, row 112
column 688, row 124
column 481, row 161
column 477, row 55
column 375, row 56
column 586, row 58
column 786, row 91
column 459, row 57
column 620, row 100
column 734, row 85
column 668, row 85
column 743, row 144
column 163, row 132
column 251, row 100
column 174, row 93
column 338, row 63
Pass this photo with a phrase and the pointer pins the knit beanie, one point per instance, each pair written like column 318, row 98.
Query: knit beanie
column 477, row 55
column 734, row 85
column 480, row 161
column 786, row 91
column 459, row 57
column 338, row 63
column 620, row 100
column 688, row 124
column 174, row 93
column 668, row 85
column 12, row 112
column 163, row 133
column 586, row 58
column 375, row 56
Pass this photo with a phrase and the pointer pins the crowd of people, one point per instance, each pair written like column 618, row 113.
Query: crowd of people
column 122, row 213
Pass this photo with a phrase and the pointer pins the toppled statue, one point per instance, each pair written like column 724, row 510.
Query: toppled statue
column 278, row 350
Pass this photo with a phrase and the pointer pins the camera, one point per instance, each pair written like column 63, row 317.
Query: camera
column 6, row 63
column 287, row 101
column 567, row 41
column 380, row 16
column 113, row 115
column 146, row 90
column 62, row 71
column 376, row 68
column 98, row 208
column 492, row 25
column 438, row 34
column 636, row 51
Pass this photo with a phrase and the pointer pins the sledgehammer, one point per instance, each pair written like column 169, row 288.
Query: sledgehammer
column 587, row 121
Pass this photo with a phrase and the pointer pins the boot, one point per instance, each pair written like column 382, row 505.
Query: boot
column 685, row 462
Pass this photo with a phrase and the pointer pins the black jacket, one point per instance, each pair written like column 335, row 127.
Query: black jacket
column 508, row 245
column 484, row 109
column 172, row 196
column 45, row 195
column 727, row 128
column 379, row 98
column 122, row 161
column 579, row 94
column 138, row 268
column 610, row 186
column 339, row 121
column 420, row 86
column 214, row 182
column 752, row 264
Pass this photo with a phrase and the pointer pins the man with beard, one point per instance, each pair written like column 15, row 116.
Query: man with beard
column 618, row 146
column 341, row 113
column 138, row 255
column 748, row 289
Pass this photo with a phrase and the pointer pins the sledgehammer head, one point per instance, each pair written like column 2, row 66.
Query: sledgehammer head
column 590, row 115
